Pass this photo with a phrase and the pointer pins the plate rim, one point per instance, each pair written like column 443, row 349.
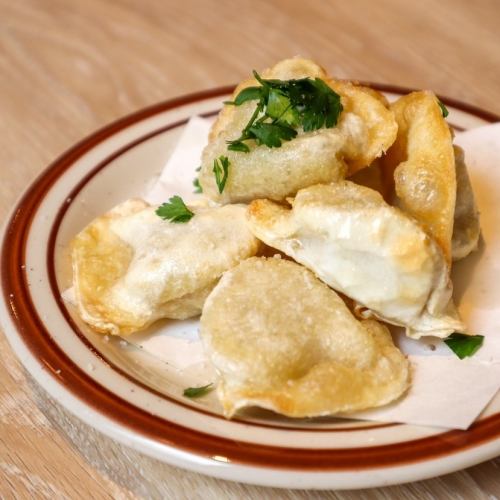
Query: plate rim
column 46, row 179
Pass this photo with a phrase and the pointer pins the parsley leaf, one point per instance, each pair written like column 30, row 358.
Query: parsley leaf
column 248, row 94
column 174, row 211
column 221, row 171
column 272, row 134
column 444, row 110
column 238, row 146
column 197, row 185
column 196, row 392
column 464, row 345
column 324, row 109
column 282, row 107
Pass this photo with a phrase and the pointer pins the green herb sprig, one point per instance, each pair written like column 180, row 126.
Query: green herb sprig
column 282, row 107
column 197, row 185
column 444, row 110
column 464, row 345
column 174, row 211
column 196, row 392
column 221, row 172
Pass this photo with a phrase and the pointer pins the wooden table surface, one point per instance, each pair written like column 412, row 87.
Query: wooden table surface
column 68, row 67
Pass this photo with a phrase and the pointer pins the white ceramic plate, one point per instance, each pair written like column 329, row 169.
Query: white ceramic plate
column 136, row 398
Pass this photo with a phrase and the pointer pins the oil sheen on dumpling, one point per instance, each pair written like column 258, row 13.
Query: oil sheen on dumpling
column 366, row 249
column 131, row 268
column 282, row 340
column 423, row 163
column 366, row 129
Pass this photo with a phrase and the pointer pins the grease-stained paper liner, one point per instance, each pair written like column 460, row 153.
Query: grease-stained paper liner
column 446, row 391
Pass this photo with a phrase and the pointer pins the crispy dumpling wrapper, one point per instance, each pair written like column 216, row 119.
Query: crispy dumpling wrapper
column 365, row 130
column 282, row 340
column 466, row 228
column 131, row 268
column 366, row 249
column 423, row 163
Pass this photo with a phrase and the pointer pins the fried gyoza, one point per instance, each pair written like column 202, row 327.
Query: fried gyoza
column 366, row 128
column 424, row 166
column 372, row 252
column 131, row 268
column 466, row 227
column 281, row 339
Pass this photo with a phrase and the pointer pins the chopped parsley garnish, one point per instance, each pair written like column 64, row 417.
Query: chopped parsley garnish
column 221, row 171
column 444, row 110
column 175, row 210
column 282, row 107
column 196, row 392
column 238, row 146
column 464, row 345
column 197, row 185
column 272, row 134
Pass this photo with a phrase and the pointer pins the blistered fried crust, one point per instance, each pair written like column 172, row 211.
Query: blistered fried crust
column 424, row 166
column 281, row 339
column 366, row 249
column 366, row 129
column 374, row 93
column 131, row 268
column 378, row 132
column 466, row 228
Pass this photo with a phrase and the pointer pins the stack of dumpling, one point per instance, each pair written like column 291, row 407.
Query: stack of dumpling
column 374, row 208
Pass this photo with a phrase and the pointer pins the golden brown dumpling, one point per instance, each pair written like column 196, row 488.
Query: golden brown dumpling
column 423, row 162
column 131, row 268
column 366, row 129
column 466, row 227
column 368, row 250
column 281, row 339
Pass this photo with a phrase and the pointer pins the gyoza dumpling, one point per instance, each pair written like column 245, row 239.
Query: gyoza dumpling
column 131, row 268
column 366, row 249
column 282, row 340
column 423, row 162
column 466, row 227
column 366, row 128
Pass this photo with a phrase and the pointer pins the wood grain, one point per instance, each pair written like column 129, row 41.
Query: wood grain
column 68, row 67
